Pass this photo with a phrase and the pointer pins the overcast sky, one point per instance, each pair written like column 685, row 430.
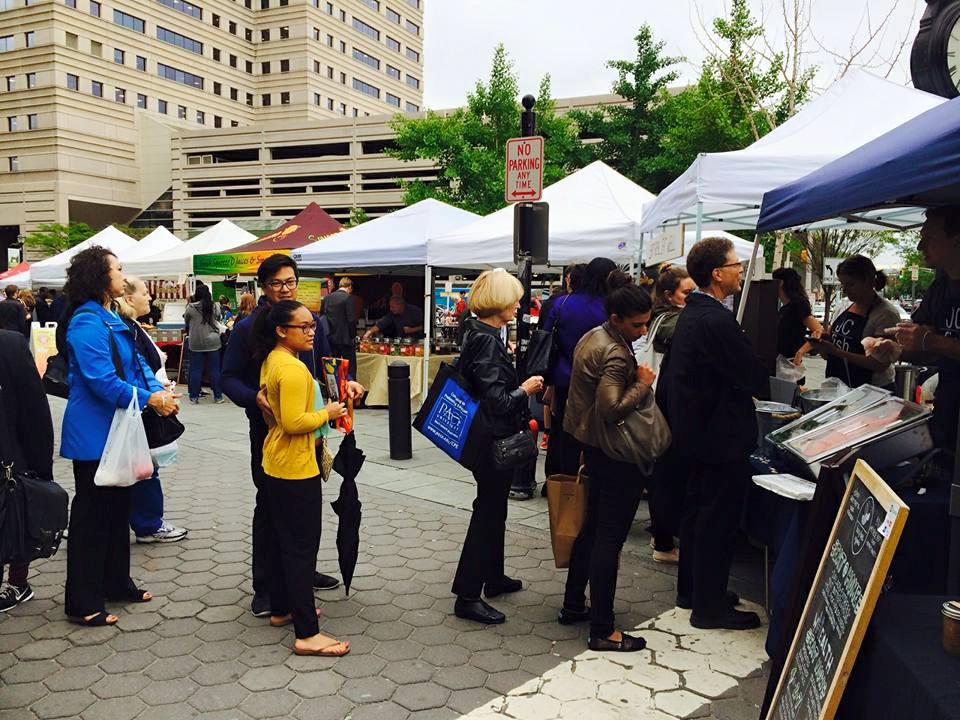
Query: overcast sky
column 573, row 39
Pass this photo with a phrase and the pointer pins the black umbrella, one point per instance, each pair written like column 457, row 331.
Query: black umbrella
column 347, row 464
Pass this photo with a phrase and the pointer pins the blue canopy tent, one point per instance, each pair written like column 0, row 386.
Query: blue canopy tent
column 886, row 183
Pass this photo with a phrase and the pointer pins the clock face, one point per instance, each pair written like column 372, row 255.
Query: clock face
column 953, row 54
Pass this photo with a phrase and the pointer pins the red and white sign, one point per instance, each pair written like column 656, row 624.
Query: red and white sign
column 524, row 170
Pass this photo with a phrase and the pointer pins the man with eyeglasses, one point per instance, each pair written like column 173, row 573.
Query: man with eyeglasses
column 707, row 384
column 278, row 278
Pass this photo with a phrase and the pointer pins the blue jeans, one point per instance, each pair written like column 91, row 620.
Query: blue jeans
column 146, row 506
column 197, row 361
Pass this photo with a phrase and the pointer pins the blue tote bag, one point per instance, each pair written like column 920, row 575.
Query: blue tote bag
column 451, row 418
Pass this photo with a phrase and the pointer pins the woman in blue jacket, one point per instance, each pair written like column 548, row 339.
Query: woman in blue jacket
column 94, row 337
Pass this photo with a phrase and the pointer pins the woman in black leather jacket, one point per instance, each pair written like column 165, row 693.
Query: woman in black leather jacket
column 488, row 370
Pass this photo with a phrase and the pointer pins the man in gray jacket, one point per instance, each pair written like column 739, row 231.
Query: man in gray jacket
column 340, row 310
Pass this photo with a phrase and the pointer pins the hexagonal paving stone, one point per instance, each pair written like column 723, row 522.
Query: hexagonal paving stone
column 129, row 661
column 119, row 685
column 368, row 690
column 625, row 695
column 29, row 671
column 709, row 683
column 17, row 696
column 496, row 660
column 356, row 666
column 175, row 646
column 115, row 709
column 541, row 707
column 421, row 696
column 164, row 692
column 218, row 697
column 680, row 703
column 63, row 704
column 316, row 684
column 566, row 687
column 398, row 650
column 268, row 678
column 172, row 668
column 379, row 711
column 270, row 703
column 324, row 708
column 42, row 649
column 219, row 673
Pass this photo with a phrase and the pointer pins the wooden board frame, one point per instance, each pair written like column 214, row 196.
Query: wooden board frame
column 888, row 499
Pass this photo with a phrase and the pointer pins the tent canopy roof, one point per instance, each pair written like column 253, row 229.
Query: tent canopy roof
column 886, row 182
column 53, row 270
column 397, row 239
column 177, row 260
column 157, row 241
column 856, row 109
column 594, row 211
column 307, row 226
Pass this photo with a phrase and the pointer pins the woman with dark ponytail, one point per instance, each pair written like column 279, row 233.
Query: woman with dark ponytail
column 203, row 327
column 605, row 386
column 796, row 321
column 868, row 315
column 291, row 472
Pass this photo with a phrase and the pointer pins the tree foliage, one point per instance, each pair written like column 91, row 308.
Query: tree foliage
column 54, row 238
column 358, row 216
column 468, row 144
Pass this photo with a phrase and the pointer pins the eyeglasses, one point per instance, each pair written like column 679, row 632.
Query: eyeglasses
column 290, row 284
column 303, row 327
column 733, row 264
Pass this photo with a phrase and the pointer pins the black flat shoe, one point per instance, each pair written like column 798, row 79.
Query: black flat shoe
column 571, row 617
column 627, row 643
column 502, row 586
column 478, row 611
column 731, row 620
column 324, row 582
column 685, row 603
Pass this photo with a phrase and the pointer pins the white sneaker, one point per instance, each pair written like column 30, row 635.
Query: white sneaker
column 164, row 534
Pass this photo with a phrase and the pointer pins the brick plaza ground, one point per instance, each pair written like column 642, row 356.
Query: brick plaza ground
column 196, row 651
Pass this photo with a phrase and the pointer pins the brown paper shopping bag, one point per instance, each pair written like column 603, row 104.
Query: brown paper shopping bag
column 567, row 503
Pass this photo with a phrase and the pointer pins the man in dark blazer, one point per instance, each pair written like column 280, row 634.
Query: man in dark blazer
column 340, row 310
column 28, row 437
column 711, row 377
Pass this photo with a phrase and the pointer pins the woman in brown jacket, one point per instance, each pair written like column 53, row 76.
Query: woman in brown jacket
column 606, row 385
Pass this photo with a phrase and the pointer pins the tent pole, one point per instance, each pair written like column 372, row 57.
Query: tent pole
column 427, row 328
column 746, row 285
column 699, row 222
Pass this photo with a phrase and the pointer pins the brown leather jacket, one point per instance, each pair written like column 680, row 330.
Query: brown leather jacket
column 604, row 382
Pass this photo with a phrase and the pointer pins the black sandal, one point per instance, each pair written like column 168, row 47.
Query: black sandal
column 134, row 595
column 627, row 643
column 98, row 620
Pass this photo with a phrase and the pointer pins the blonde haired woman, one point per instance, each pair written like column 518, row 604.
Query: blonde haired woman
column 487, row 368
column 146, row 497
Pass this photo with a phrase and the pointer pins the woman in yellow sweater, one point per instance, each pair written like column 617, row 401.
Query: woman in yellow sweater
column 293, row 484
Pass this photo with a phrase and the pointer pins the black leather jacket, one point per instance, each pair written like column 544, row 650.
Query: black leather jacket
column 485, row 365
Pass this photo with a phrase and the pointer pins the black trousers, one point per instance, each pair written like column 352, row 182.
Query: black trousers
column 712, row 510
column 261, row 539
column 481, row 560
column 563, row 453
column 615, row 490
column 347, row 352
column 98, row 553
column 295, row 508
column 668, row 488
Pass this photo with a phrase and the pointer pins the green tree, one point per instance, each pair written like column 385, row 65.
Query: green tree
column 54, row 238
column 358, row 216
column 468, row 144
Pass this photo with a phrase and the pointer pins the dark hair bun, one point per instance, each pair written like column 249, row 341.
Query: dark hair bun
column 880, row 282
column 618, row 279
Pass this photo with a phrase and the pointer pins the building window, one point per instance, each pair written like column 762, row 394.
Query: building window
column 284, row 66
column 330, row 104
column 372, row 4
column 264, row 4
column 393, row 44
column 234, row 93
column 72, row 40
column 368, row 30
column 118, row 56
column 343, row 47
column 182, row 112
column 248, row 34
column 70, row 3
column 343, row 78
column 12, row 123
column 284, row 33
column 366, row 88
column 265, row 68
column 6, row 43
column 234, row 123
column 316, row 34
column 412, row 27
column 232, row 27
column 162, row 107
column 96, row 88
column 181, row 41
column 73, row 82
column 233, row 61
column 330, row 72
column 120, row 95
column 250, row 99
column 413, row 82
column 13, row 162
column 393, row 16
column 216, row 54
column 316, row 98
column 343, row 16
column 217, row 88
column 356, row 112
column 412, row 108
column 366, row 59
column 184, row 7
column 265, row 100
column 265, row 35
column 215, row 20
column 128, row 21
column 31, row 80
column 94, row 8
column 413, row 54
column 393, row 100
column 343, row 108
column 180, row 76
column 329, row 40
column 329, row 8
column 248, row 66
column 96, row 48
column 30, row 39
column 285, row 98
column 141, row 63
column 393, row 72
column 217, row 121
column 141, row 101
column 414, row 3
column 201, row 117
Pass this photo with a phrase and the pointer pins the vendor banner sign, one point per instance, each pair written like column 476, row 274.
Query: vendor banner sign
column 239, row 263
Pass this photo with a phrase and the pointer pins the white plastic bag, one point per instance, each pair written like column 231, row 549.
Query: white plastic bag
column 786, row 370
column 165, row 456
column 126, row 456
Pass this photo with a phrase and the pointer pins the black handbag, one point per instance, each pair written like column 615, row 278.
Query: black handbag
column 515, row 451
column 161, row 429
column 55, row 377
column 542, row 349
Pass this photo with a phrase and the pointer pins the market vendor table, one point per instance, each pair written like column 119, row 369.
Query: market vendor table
column 902, row 670
column 372, row 374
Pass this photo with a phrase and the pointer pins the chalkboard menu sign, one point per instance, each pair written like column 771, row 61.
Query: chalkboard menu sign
column 183, row 370
column 838, row 609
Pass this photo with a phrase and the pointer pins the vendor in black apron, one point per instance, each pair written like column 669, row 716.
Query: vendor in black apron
column 867, row 316
column 934, row 334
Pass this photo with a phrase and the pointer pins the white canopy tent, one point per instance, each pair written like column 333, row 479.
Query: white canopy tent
column 159, row 240
column 725, row 190
column 395, row 240
column 594, row 212
column 743, row 248
column 52, row 272
column 177, row 261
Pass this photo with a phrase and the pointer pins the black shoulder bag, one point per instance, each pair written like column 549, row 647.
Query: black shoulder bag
column 542, row 349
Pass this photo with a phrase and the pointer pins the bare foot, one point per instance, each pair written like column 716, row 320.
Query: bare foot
column 281, row 620
column 615, row 636
column 321, row 645
column 108, row 620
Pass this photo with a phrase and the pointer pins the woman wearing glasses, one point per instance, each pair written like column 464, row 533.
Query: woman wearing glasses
column 291, row 474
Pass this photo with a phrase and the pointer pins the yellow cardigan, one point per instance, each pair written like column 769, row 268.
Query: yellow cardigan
column 289, row 452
